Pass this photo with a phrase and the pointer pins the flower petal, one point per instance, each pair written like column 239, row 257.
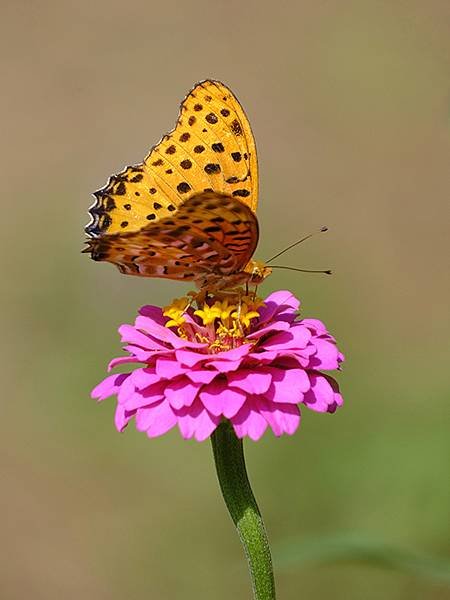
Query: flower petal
column 181, row 392
column 296, row 337
column 272, row 327
column 164, row 334
column 196, row 421
column 321, row 394
column 220, row 400
column 154, row 313
column 201, row 375
column 282, row 418
column 251, row 381
column 316, row 326
column 249, row 421
column 338, row 399
column 109, row 386
column 235, row 353
column 168, row 367
column 126, row 390
column 121, row 360
column 225, row 366
column 189, row 358
column 156, row 420
column 278, row 302
column 144, row 377
column 131, row 335
column 145, row 355
column 122, row 417
column 153, row 393
column 264, row 357
column 326, row 356
column 288, row 386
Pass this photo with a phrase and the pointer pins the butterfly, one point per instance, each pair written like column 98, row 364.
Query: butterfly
column 187, row 212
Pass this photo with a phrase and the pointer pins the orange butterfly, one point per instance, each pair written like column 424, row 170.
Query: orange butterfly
column 188, row 211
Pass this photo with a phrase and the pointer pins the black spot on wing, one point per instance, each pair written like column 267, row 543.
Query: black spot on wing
column 241, row 193
column 212, row 168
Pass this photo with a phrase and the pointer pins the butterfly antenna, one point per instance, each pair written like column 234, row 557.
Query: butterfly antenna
column 325, row 271
column 321, row 230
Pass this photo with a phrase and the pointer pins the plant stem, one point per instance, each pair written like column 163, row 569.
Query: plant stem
column 230, row 466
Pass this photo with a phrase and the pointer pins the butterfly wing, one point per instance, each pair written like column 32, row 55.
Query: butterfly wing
column 208, row 234
column 211, row 148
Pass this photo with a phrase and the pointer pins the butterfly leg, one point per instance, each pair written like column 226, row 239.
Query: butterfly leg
column 194, row 296
column 239, row 312
column 199, row 297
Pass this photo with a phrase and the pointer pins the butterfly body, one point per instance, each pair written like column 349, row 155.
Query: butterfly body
column 188, row 211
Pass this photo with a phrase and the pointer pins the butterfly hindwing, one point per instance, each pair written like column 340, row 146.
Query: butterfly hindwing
column 209, row 233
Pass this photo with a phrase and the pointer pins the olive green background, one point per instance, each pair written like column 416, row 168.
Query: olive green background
column 349, row 103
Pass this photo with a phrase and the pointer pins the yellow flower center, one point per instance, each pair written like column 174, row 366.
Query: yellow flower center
column 225, row 321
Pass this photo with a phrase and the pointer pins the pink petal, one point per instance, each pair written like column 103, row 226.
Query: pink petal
column 169, row 367
column 321, row 394
column 272, row 327
column 156, row 420
column 338, row 399
column 121, row 360
column 326, row 356
column 282, row 418
column 146, row 355
column 288, row 386
column 264, row 357
column 131, row 335
column 190, row 359
column 301, row 358
column 234, row 353
column 122, row 417
column 195, row 421
column 250, row 381
column 220, row 400
column 278, row 302
column 164, row 420
column 206, row 424
column 164, row 334
column 150, row 395
column 201, row 375
column 181, row 392
column 225, row 366
column 249, row 421
column 126, row 390
column 296, row 337
column 109, row 386
column 291, row 360
column 154, row 313
column 143, row 377
column 315, row 325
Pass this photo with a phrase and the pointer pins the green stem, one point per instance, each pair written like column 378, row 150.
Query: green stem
column 230, row 466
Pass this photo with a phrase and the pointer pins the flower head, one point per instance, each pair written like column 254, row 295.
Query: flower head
column 240, row 359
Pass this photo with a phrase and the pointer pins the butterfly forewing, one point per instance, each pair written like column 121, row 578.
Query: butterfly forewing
column 210, row 148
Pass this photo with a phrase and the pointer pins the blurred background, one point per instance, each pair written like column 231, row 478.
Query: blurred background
column 349, row 104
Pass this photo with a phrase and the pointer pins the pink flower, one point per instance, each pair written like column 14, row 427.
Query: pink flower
column 250, row 362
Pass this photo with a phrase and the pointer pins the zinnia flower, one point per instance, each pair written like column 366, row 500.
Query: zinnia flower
column 247, row 361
